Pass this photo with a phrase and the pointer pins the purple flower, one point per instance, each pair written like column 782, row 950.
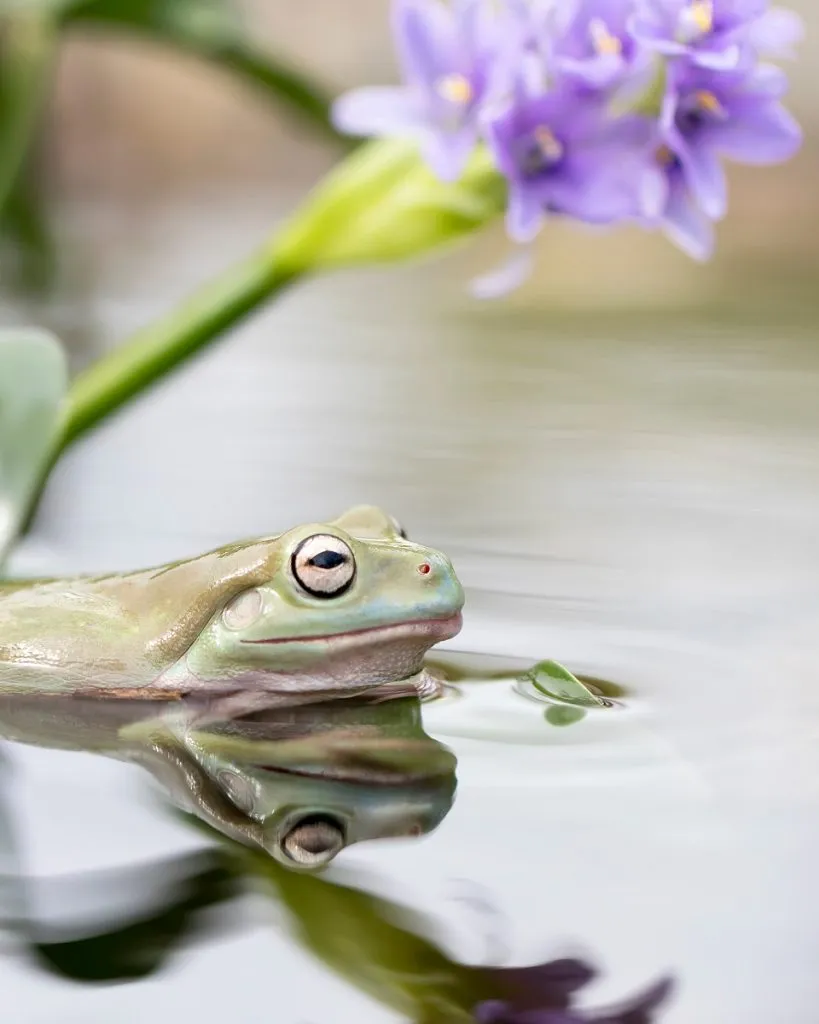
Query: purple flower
column 543, row 995
column 590, row 41
column 454, row 59
column 720, row 34
column 563, row 153
column 707, row 116
column 776, row 33
column 712, row 33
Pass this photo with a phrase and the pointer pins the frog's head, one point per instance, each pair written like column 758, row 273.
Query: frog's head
column 350, row 603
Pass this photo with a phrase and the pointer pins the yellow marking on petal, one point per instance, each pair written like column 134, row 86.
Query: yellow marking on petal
column 665, row 156
column 456, row 88
column 708, row 102
column 548, row 144
column 701, row 13
column 605, row 44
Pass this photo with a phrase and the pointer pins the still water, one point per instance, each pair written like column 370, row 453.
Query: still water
column 635, row 497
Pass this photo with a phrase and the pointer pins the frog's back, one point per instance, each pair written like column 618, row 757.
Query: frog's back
column 120, row 632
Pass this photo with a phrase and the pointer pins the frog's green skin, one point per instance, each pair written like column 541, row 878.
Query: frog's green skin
column 165, row 633
column 367, row 766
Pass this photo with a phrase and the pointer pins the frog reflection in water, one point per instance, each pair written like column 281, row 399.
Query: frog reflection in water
column 323, row 609
column 302, row 782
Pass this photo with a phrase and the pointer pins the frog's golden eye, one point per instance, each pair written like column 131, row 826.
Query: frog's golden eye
column 243, row 610
column 324, row 565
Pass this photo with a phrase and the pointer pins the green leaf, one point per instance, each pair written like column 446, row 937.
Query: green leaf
column 33, row 383
column 210, row 22
column 558, row 683
column 383, row 204
column 27, row 50
column 561, row 715
column 28, row 243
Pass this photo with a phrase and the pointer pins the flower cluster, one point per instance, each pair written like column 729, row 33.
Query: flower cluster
column 603, row 111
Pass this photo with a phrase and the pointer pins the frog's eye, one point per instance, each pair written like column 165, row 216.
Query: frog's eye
column 314, row 840
column 324, row 565
column 243, row 610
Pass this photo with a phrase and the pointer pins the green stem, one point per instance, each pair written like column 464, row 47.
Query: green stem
column 27, row 58
column 153, row 352
column 156, row 350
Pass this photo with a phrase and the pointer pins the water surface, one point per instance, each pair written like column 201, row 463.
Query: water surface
column 633, row 496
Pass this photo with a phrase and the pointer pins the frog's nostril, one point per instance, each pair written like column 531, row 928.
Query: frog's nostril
column 425, row 568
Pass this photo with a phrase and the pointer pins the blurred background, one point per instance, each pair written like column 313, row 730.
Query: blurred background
column 621, row 460
column 133, row 127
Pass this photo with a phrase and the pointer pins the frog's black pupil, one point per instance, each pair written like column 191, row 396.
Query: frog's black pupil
column 328, row 560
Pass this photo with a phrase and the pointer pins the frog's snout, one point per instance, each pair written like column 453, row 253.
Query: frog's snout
column 439, row 584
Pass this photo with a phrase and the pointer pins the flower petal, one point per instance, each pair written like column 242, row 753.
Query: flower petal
column 376, row 110
column 524, row 215
column 425, row 37
column 766, row 80
column 777, row 33
column 653, row 195
column 639, row 1009
column 718, row 60
column 447, row 152
column 506, row 277
column 598, row 72
column 766, row 134
column 742, row 11
column 490, row 1011
column 706, row 179
column 687, row 226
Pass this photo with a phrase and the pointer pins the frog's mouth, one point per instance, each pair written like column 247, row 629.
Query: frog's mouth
column 357, row 759
column 437, row 629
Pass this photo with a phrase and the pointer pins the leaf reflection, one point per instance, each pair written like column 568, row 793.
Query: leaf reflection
column 141, row 947
column 382, row 948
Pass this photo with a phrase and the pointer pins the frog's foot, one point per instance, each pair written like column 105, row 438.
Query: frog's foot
column 425, row 685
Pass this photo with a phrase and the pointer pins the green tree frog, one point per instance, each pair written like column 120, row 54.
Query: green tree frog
column 323, row 609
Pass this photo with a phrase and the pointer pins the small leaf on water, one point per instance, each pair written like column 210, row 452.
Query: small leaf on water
column 33, row 383
column 557, row 682
column 563, row 715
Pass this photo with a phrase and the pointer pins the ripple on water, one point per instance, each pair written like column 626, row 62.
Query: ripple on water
column 509, row 700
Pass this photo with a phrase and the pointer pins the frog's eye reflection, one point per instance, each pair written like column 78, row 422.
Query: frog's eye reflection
column 324, row 565
column 314, row 840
